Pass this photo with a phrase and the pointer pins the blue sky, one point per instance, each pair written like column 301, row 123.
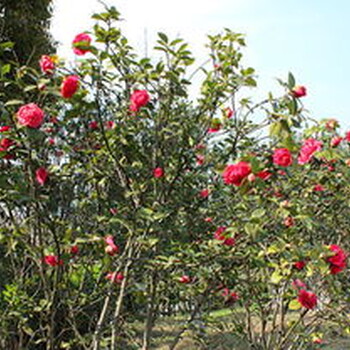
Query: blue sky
column 308, row 38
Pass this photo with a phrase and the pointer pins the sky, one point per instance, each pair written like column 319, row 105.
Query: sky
column 306, row 37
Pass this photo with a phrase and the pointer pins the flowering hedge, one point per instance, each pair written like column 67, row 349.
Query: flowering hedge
column 122, row 197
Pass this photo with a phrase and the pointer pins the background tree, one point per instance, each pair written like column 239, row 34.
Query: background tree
column 26, row 23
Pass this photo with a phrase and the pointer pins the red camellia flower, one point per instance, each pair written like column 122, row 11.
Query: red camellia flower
column 309, row 147
column 299, row 265
column 230, row 242
column 115, row 277
column 5, row 144
column 41, row 176
column 204, row 193
column 110, row 124
column 200, row 159
column 111, row 248
column 234, row 174
column 52, row 260
column 347, row 136
column 83, row 39
column 289, row 221
column 46, row 64
column 74, row 250
column 319, row 188
column 138, row 99
column 208, row 219
column 264, row 174
column 158, row 172
column 215, row 128
column 228, row 112
column 337, row 261
column 69, row 86
column 229, row 295
column 113, row 211
column 282, row 157
column 307, row 299
column 298, row 91
column 93, row 125
column 335, row 141
column 5, row 128
column 218, row 234
column 30, row 115
column 185, row 279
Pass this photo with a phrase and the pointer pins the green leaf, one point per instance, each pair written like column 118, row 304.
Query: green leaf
column 294, row 305
column 163, row 37
column 291, row 80
column 258, row 213
column 276, row 277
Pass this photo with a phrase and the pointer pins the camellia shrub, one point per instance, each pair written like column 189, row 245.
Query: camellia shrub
column 125, row 200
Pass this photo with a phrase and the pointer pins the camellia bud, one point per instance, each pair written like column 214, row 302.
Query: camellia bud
column 251, row 177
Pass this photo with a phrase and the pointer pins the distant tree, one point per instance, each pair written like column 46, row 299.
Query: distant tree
column 26, row 23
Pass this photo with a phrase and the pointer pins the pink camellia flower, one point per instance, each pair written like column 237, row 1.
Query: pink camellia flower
column 234, row 174
column 204, row 193
column 115, row 277
column 52, row 260
column 282, row 157
column 299, row 265
column 93, row 125
column 228, row 112
column 185, row 279
column 309, row 147
column 41, row 176
column 208, row 219
column 74, row 250
column 337, row 262
column 307, row 299
column 158, row 172
column 110, row 124
column 289, row 221
column 297, row 284
column 138, row 99
column 30, row 115
column 298, row 91
column 5, row 128
column 336, row 140
column 83, row 39
column 111, row 248
column 319, row 188
column 69, row 86
column 46, row 64
column 264, row 174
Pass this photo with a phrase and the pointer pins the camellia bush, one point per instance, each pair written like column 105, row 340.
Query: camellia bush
column 125, row 202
